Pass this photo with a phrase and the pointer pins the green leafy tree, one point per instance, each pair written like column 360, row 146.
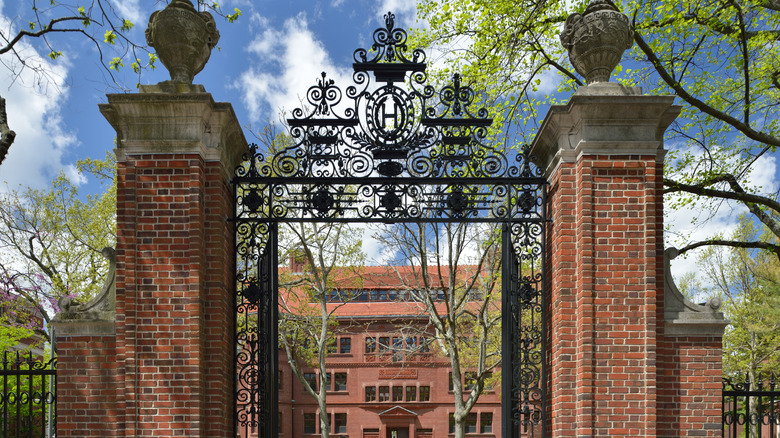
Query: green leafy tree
column 718, row 57
column 748, row 280
column 11, row 334
column 456, row 279
column 96, row 21
column 51, row 242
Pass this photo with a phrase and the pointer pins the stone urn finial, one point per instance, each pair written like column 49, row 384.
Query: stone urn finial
column 183, row 39
column 597, row 39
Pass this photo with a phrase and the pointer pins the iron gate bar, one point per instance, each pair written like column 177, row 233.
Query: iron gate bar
column 394, row 154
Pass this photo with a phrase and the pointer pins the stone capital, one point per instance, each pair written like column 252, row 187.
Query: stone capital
column 175, row 123
column 605, row 120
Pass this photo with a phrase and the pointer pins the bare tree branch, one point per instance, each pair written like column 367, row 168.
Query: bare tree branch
column 733, row 244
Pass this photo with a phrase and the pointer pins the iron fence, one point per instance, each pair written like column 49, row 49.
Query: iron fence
column 751, row 407
column 28, row 399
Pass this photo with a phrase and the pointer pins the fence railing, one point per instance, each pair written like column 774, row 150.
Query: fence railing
column 28, row 388
column 751, row 409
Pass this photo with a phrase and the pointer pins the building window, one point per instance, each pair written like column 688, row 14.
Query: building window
column 331, row 347
column 370, row 345
column 311, row 379
column 452, row 423
column 471, row 380
column 452, row 388
column 411, row 393
column 345, row 345
column 471, row 423
column 398, row 346
column 398, row 393
column 489, row 383
column 384, row 393
column 370, row 393
column 486, row 422
column 384, row 344
column 425, row 393
column 340, row 425
column 328, row 381
column 425, row 345
column 309, row 423
column 340, row 382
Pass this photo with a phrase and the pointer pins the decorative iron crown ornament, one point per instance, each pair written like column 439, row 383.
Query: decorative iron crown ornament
column 397, row 147
column 597, row 39
column 183, row 39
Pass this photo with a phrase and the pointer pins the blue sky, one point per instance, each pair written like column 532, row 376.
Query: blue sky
column 264, row 63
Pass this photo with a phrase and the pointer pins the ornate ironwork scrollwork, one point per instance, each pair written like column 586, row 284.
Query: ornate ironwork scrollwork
column 397, row 150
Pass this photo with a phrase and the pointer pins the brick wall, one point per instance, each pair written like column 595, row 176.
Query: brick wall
column 171, row 344
column 160, row 282
column 605, row 242
column 87, row 392
column 614, row 370
column 689, row 386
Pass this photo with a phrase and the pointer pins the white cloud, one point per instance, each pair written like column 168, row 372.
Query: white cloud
column 32, row 104
column 290, row 60
column 129, row 10
column 405, row 11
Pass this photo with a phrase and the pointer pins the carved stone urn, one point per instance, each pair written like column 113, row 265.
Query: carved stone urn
column 596, row 40
column 183, row 39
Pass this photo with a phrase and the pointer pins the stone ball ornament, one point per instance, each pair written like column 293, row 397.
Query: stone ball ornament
column 183, row 39
column 596, row 40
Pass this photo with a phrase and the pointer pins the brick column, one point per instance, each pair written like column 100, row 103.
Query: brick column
column 603, row 154
column 176, row 152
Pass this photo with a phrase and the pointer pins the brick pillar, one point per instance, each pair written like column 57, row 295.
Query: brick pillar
column 176, row 152
column 603, row 154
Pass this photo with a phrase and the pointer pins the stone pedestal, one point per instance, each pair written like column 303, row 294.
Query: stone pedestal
column 163, row 366
column 616, row 369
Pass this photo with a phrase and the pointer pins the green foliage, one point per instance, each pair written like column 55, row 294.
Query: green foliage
column 110, row 37
column 234, row 16
column 749, row 283
column 51, row 240
column 718, row 57
column 11, row 334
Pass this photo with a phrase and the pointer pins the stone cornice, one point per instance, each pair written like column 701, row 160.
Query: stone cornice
column 604, row 122
column 175, row 122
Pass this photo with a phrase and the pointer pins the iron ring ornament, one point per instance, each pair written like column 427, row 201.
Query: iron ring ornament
column 390, row 148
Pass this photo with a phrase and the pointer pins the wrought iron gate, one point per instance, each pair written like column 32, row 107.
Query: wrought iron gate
column 390, row 150
column 28, row 395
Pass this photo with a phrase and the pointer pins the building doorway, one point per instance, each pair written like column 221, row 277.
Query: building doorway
column 398, row 432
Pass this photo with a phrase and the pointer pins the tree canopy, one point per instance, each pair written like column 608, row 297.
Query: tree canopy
column 51, row 242
column 718, row 57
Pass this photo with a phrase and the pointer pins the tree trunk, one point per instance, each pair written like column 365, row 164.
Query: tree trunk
column 6, row 135
column 460, row 427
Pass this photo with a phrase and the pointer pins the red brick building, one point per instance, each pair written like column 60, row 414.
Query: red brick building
column 386, row 376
